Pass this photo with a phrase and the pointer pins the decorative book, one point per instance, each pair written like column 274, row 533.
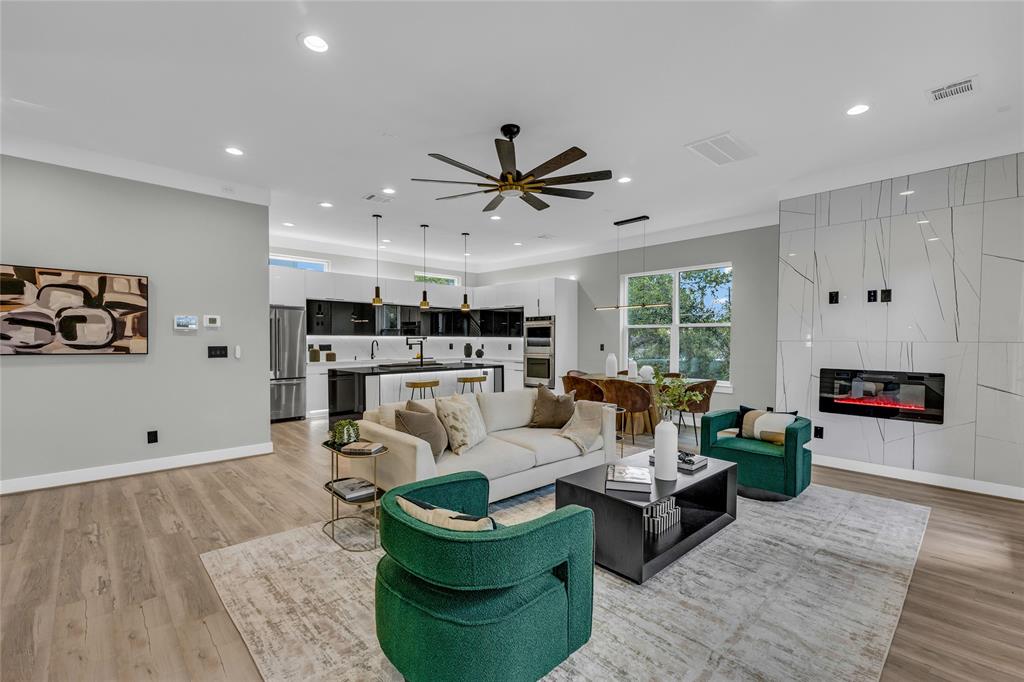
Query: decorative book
column 361, row 447
column 631, row 479
column 352, row 489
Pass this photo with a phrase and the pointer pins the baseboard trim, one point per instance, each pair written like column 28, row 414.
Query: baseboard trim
column 143, row 466
column 941, row 480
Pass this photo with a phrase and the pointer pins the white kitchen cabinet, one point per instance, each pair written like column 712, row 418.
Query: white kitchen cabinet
column 319, row 285
column 445, row 296
column 352, row 287
column 401, row 292
column 287, row 286
column 546, row 297
column 316, row 391
column 485, row 296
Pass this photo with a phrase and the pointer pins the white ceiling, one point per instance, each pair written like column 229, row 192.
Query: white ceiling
column 173, row 83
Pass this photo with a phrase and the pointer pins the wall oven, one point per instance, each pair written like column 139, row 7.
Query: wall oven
column 539, row 351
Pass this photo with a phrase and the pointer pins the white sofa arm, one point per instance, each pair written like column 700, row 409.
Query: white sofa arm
column 608, row 433
column 408, row 459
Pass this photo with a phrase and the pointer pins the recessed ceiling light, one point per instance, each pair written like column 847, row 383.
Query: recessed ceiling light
column 386, row 241
column 791, row 255
column 288, row 224
column 315, row 43
column 467, row 254
column 495, row 217
column 857, row 109
column 382, row 247
column 623, row 180
column 923, row 222
column 517, row 243
column 572, row 277
column 234, row 151
column 388, row 190
column 933, row 239
column 325, row 204
column 906, row 192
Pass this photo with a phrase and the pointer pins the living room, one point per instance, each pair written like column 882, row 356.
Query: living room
column 690, row 347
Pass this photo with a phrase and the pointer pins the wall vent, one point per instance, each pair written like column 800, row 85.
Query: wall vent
column 957, row 89
column 721, row 149
column 378, row 198
column 545, row 236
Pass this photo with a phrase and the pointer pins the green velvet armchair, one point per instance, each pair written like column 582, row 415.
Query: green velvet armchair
column 506, row 604
column 781, row 471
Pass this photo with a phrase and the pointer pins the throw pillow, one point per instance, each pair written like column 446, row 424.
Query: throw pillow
column 552, row 411
column 462, row 421
column 765, row 425
column 443, row 518
column 418, row 421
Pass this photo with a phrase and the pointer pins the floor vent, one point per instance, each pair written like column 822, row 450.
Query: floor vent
column 378, row 198
column 721, row 149
column 964, row 87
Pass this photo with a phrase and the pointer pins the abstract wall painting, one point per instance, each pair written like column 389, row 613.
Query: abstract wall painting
column 50, row 311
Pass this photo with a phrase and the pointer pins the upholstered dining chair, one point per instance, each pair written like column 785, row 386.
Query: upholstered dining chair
column 631, row 397
column 623, row 372
column 575, row 373
column 585, row 388
column 702, row 406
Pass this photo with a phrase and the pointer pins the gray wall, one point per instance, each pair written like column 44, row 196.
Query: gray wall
column 202, row 255
column 754, row 255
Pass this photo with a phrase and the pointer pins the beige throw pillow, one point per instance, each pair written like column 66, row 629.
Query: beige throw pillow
column 463, row 422
column 419, row 421
column 766, row 426
column 552, row 411
column 443, row 518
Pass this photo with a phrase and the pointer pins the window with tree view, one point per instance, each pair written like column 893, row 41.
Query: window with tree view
column 692, row 334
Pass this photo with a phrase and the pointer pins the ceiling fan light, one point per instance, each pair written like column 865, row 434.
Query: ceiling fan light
column 511, row 193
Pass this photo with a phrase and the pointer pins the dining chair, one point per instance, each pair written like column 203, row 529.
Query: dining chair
column 585, row 388
column 575, row 373
column 702, row 406
column 632, row 397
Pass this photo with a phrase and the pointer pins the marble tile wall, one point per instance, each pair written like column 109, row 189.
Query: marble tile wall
column 950, row 245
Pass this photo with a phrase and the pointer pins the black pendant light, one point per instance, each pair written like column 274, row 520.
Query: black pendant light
column 619, row 224
column 424, row 303
column 465, row 271
column 377, row 300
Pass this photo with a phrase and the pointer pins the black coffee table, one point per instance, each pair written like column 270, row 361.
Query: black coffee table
column 707, row 500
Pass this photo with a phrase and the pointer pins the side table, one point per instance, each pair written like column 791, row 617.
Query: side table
column 337, row 500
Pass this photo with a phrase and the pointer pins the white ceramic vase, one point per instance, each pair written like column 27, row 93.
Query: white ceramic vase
column 646, row 372
column 666, row 445
column 611, row 365
column 631, row 369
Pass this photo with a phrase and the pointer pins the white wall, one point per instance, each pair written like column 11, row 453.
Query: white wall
column 958, row 308
column 202, row 254
column 356, row 265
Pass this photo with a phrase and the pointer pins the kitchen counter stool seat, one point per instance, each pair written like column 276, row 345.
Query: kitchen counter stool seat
column 422, row 385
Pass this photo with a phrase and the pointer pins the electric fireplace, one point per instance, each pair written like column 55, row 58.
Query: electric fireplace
column 910, row 396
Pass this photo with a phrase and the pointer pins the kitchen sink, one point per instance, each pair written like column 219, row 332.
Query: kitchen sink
column 410, row 364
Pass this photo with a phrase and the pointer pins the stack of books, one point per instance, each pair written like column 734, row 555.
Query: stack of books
column 688, row 463
column 628, row 479
column 361, row 447
column 352, row 489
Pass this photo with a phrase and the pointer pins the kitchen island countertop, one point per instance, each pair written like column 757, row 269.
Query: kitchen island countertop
column 382, row 369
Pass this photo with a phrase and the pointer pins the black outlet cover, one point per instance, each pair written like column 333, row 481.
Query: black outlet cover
column 216, row 351
column 886, row 295
column 872, row 295
column 602, row 346
column 819, row 431
column 451, row 346
column 510, row 346
column 151, row 436
column 833, row 298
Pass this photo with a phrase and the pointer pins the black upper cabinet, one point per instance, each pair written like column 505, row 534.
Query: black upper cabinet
column 344, row 318
column 318, row 317
column 505, row 322
column 352, row 319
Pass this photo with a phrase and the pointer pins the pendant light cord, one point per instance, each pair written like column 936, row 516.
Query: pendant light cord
column 377, row 236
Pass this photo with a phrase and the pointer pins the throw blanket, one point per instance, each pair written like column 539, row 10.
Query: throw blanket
column 584, row 426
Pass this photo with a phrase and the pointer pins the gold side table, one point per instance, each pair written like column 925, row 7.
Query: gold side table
column 337, row 500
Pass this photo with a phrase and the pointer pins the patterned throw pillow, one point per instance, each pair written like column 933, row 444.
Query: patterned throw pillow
column 443, row 518
column 463, row 422
column 764, row 424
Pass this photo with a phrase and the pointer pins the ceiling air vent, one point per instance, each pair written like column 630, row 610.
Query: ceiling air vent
column 545, row 236
column 378, row 198
column 962, row 87
column 721, row 149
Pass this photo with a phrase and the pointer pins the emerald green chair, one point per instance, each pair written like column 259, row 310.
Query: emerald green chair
column 505, row 604
column 765, row 470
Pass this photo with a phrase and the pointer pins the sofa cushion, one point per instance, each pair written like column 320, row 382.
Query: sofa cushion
column 462, row 421
column 418, row 421
column 507, row 409
column 757, row 447
column 492, row 457
column 546, row 446
column 385, row 414
column 550, row 410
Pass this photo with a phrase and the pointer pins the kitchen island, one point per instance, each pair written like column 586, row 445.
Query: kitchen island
column 353, row 390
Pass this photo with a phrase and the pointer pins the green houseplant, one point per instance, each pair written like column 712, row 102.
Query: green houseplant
column 344, row 431
column 668, row 394
column 671, row 393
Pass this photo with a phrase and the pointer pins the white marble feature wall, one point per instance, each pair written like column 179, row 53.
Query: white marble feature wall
column 950, row 245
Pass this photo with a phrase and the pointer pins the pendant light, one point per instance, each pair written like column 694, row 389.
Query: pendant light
column 619, row 224
column 377, row 300
column 465, row 272
column 424, row 303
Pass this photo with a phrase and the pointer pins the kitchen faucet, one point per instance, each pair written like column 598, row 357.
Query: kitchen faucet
column 411, row 341
column 373, row 345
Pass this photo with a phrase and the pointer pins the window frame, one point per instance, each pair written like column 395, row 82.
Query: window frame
column 456, row 281
column 675, row 325
column 298, row 259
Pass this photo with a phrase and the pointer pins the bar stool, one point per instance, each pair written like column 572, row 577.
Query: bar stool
column 472, row 382
column 422, row 385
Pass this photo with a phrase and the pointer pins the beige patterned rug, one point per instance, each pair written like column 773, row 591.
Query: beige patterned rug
column 809, row 589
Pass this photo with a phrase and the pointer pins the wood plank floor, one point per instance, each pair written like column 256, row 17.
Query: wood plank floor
column 103, row 581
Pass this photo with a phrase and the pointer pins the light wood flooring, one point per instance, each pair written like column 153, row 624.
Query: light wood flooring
column 103, row 581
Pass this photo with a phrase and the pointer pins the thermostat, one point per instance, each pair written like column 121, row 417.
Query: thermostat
column 211, row 321
column 186, row 323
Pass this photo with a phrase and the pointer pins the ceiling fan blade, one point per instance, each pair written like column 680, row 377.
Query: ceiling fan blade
column 455, row 182
column 592, row 176
column 570, row 193
column 459, row 164
column 570, row 155
column 493, row 203
column 467, row 194
column 534, row 201
column 506, row 156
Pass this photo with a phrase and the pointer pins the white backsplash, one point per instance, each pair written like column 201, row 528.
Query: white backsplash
column 393, row 348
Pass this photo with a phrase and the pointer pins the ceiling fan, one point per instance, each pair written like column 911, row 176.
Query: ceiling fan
column 509, row 182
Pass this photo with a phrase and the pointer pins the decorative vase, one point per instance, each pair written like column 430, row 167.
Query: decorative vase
column 646, row 372
column 666, row 448
column 631, row 367
column 611, row 365
column 467, row 350
column 480, row 352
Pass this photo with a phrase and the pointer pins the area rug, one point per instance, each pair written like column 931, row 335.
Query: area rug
column 809, row 589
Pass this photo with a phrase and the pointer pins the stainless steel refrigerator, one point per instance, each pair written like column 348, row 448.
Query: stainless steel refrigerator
column 287, row 363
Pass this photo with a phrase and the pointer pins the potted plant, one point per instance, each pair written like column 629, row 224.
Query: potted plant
column 669, row 394
column 344, row 431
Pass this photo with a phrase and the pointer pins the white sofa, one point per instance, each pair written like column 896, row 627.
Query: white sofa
column 514, row 457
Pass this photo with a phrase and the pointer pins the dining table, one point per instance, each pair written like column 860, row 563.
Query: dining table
column 651, row 417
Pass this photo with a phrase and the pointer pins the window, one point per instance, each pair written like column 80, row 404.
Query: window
column 299, row 263
column 693, row 335
column 434, row 278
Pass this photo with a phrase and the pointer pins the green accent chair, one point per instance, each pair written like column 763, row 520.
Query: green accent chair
column 506, row 604
column 764, row 470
